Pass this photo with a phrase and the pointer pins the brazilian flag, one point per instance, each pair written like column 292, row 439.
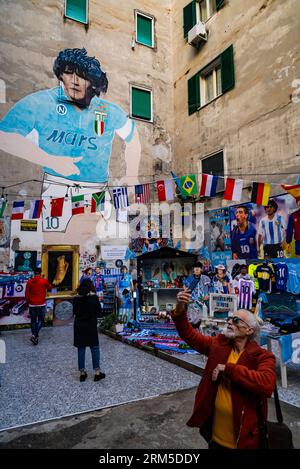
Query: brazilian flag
column 189, row 184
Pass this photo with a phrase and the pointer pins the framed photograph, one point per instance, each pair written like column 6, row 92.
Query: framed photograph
column 60, row 265
column 25, row 261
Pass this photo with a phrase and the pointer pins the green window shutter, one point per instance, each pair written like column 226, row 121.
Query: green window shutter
column 141, row 103
column 189, row 17
column 194, row 93
column 219, row 4
column 144, row 30
column 77, row 10
column 227, row 69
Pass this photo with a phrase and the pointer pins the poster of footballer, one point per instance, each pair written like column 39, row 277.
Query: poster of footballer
column 264, row 232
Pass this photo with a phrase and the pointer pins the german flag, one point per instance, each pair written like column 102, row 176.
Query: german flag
column 260, row 193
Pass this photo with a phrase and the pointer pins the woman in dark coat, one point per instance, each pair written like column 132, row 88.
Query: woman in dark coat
column 86, row 309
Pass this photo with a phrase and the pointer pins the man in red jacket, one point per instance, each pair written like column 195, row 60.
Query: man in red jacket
column 35, row 293
column 239, row 376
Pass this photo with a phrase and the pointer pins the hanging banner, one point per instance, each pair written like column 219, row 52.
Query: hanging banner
column 220, row 243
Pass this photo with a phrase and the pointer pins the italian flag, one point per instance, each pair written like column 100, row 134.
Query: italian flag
column 77, row 204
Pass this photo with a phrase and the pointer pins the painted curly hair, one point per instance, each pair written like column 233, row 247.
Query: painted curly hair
column 77, row 60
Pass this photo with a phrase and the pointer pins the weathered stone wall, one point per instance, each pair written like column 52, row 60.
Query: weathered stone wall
column 32, row 34
column 256, row 124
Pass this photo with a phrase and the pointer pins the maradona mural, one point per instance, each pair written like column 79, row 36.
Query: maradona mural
column 69, row 130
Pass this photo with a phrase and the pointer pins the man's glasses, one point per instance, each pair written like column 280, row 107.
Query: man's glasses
column 236, row 320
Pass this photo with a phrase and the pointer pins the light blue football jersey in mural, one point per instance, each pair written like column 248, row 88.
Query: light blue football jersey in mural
column 59, row 128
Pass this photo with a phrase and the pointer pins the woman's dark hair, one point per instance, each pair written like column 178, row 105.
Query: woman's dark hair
column 198, row 264
column 86, row 287
column 77, row 60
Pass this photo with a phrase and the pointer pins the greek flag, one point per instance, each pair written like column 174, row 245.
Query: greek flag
column 120, row 197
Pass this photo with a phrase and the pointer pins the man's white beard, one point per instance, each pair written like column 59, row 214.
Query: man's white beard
column 229, row 334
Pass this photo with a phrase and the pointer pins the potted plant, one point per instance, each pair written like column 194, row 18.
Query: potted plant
column 113, row 322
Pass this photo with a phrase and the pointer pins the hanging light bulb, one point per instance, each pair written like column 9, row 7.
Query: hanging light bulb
column 2, row 195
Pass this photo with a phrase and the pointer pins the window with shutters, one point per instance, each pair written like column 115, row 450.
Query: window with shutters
column 77, row 10
column 206, row 9
column 211, row 81
column 214, row 164
column 144, row 27
column 141, row 103
column 199, row 10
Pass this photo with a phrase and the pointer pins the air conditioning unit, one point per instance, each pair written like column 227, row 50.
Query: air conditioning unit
column 197, row 34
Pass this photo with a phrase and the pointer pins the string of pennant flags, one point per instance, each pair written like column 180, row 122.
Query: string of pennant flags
column 187, row 185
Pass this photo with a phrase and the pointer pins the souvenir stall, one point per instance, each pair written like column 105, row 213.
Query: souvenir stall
column 161, row 276
column 251, row 252
column 248, row 269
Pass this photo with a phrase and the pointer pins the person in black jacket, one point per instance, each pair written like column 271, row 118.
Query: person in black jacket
column 86, row 309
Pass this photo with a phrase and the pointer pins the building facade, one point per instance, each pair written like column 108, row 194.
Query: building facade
column 222, row 99
column 236, row 95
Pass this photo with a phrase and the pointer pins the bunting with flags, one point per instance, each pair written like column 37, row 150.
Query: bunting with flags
column 188, row 184
column 177, row 182
column 3, row 205
column 57, row 207
column 18, row 210
column 260, row 193
column 208, row 185
column 77, row 204
column 165, row 190
column 36, row 207
column 120, row 197
column 292, row 190
column 98, row 201
column 233, row 189
column 142, row 193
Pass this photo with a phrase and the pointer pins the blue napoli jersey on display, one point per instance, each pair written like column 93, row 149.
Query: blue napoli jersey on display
column 293, row 283
column 125, row 281
column 59, row 128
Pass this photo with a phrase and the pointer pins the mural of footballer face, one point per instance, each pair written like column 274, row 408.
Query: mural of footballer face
column 75, row 86
column 81, row 75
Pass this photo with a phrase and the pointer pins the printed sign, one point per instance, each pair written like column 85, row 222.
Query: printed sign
column 113, row 252
column 222, row 305
column 28, row 225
